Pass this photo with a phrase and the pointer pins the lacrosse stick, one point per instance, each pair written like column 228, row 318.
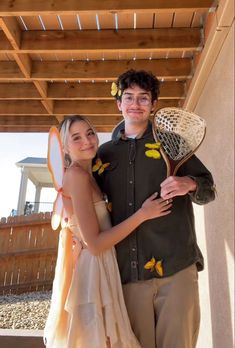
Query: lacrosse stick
column 55, row 162
column 180, row 133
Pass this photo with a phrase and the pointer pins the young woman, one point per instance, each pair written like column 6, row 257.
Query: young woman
column 87, row 308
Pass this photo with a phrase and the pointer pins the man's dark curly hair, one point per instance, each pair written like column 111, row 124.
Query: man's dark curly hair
column 143, row 79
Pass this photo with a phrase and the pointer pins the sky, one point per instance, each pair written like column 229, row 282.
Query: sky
column 13, row 148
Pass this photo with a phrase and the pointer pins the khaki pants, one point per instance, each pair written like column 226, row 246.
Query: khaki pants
column 165, row 313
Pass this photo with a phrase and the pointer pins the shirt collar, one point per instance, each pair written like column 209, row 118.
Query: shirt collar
column 119, row 132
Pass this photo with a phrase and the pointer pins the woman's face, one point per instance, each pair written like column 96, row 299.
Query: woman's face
column 82, row 142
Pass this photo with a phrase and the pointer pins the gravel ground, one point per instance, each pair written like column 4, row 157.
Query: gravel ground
column 25, row 311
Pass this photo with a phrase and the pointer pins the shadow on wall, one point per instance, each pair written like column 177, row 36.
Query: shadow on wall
column 220, row 254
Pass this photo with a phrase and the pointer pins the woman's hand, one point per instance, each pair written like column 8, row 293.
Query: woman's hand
column 153, row 208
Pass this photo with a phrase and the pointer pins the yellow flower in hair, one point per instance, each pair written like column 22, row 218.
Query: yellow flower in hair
column 155, row 265
column 99, row 166
column 115, row 90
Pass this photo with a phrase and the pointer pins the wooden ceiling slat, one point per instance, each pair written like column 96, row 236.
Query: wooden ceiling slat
column 31, row 22
column 21, row 107
column 182, row 20
column 198, row 19
column 35, row 120
column 25, row 64
column 49, row 7
column 43, row 128
column 41, row 87
column 97, row 107
column 10, row 70
column 12, row 31
column 50, row 22
column 144, row 20
column 108, row 40
column 108, row 70
column 163, row 20
column 87, row 21
column 107, row 21
column 4, row 43
column 18, row 91
column 125, row 20
column 69, row 22
column 76, row 91
column 169, row 90
column 4, row 57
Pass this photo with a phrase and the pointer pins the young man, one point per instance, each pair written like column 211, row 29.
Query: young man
column 159, row 261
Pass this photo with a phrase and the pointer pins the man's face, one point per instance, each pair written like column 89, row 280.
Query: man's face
column 136, row 105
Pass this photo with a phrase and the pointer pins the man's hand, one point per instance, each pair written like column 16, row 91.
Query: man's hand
column 177, row 186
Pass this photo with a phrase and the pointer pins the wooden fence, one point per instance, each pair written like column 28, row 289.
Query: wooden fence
column 28, row 250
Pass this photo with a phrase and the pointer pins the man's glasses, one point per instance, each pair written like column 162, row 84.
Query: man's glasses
column 141, row 100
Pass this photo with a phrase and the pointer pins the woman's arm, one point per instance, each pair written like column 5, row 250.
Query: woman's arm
column 77, row 185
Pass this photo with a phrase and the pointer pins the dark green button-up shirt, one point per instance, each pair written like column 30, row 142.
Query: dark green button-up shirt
column 132, row 177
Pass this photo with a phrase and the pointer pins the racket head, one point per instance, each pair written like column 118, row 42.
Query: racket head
column 180, row 133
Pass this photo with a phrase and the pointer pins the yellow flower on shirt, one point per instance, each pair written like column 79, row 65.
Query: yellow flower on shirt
column 153, row 146
column 153, row 150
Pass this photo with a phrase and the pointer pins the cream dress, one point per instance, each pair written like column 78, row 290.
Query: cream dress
column 94, row 301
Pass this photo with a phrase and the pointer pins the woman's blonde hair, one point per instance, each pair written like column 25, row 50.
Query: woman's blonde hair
column 64, row 128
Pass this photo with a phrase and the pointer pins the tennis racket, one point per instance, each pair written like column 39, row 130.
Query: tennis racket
column 180, row 133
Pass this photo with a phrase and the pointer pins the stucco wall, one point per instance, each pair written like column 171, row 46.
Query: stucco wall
column 215, row 222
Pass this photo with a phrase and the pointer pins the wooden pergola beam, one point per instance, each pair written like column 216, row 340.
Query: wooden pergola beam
column 12, row 31
column 40, row 120
column 109, row 70
column 77, row 91
column 123, row 40
column 22, row 107
column 38, row 123
column 22, row 120
column 62, row 108
column 168, row 69
column 49, row 7
column 97, row 107
column 10, row 70
column 18, row 90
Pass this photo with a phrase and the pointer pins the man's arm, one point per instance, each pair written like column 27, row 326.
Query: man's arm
column 193, row 178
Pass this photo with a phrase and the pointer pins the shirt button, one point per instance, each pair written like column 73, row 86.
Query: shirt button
column 133, row 264
column 130, row 204
column 130, row 182
column 130, row 162
column 133, row 249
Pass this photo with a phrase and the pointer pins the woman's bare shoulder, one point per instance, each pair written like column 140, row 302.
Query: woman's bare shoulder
column 75, row 175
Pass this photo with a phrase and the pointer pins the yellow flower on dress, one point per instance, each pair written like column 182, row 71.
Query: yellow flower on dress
column 155, row 265
column 99, row 166
column 153, row 152
column 115, row 90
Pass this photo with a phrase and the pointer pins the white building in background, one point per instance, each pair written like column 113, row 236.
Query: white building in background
column 33, row 169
